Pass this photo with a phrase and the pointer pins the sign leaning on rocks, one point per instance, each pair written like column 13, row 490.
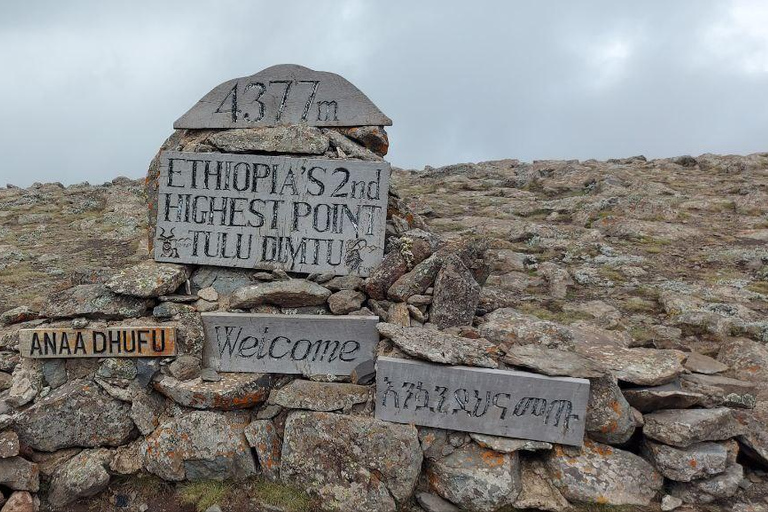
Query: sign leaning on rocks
column 481, row 400
column 258, row 211
column 289, row 344
column 108, row 342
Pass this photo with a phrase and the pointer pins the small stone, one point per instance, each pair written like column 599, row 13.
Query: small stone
column 372, row 137
column 440, row 347
column 414, row 247
column 208, row 293
column 318, row 396
column 93, row 301
column 699, row 363
column 683, row 427
column 538, row 491
column 210, row 375
column 398, row 314
column 339, row 283
column 456, row 295
column 203, row 306
column 345, row 301
column 669, row 503
column 82, row 476
column 707, row 490
column 416, row 314
column 19, row 474
column 509, row 326
column 699, row 460
column 364, row 373
column 9, row 444
column 213, row 508
column 18, row 315
column 609, row 416
column 20, row 501
column 146, row 409
column 233, row 391
column 117, row 368
column 55, row 373
column 508, row 444
column 148, row 279
column 417, row 280
column 293, row 293
column 747, row 359
column 225, row 280
column 434, row 503
column 185, row 367
column 264, row 438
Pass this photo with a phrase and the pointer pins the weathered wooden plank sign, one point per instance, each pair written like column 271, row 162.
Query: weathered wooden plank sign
column 497, row 402
column 107, row 342
column 281, row 95
column 256, row 211
column 291, row 344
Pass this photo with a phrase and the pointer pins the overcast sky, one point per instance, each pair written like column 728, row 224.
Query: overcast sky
column 89, row 90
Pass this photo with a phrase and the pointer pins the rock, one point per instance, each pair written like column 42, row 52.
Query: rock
column 552, row 362
column 754, row 440
column 54, row 373
column 412, row 248
column 508, row 444
column 233, row 391
column 264, row 438
column 18, row 315
column 9, row 444
column 398, row 314
column 20, row 501
column 669, row 503
column 747, row 359
column 19, row 474
column 668, row 396
column 339, row 283
column 291, row 294
column 456, row 295
column 683, row 427
column 708, row 490
column 118, row 368
column 476, row 479
column 440, row 347
column 345, row 301
column 209, row 375
column 185, row 367
column 509, row 326
column 223, row 280
column 78, row 413
column 27, row 381
column 558, row 279
column 127, row 460
column 297, row 138
column 319, row 396
column 609, row 416
column 598, row 473
column 372, row 137
column 351, row 462
column 717, row 390
column 200, row 445
column 208, row 293
column 148, row 279
column 604, row 314
column 417, row 280
column 82, row 476
column 434, row 503
column 538, row 491
column 348, row 148
column 146, row 409
column 93, row 301
column 699, row 363
column 641, row 366
column 190, row 333
column 698, row 460
column 364, row 373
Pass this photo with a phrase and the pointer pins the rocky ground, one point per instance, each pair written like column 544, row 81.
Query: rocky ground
column 612, row 263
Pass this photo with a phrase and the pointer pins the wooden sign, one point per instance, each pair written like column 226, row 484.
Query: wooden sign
column 282, row 95
column 290, row 344
column 487, row 401
column 108, row 342
column 257, row 211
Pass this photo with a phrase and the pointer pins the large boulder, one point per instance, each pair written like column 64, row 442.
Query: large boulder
column 79, row 413
column 351, row 462
column 148, row 279
column 200, row 445
column 599, row 473
column 290, row 294
column 82, row 476
column 476, row 479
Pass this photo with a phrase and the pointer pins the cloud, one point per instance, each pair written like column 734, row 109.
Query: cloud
column 90, row 89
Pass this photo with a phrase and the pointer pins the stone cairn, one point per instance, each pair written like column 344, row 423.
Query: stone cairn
column 653, row 426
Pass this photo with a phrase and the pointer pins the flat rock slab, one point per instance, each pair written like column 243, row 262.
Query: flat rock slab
column 285, row 94
column 294, row 139
column 107, row 342
column 699, row 460
column 441, row 347
column 699, row 363
column 290, row 344
column 271, row 212
column 507, row 444
column 553, row 362
column 718, row 390
column 289, row 294
column 707, row 490
column 683, row 427
column 668, row 396
column 319, row 396
column 351, row 462
column 148, row 279
column 486, row 401
column 641, row 366
column 19, row 474
column 233, row 391
column 93, row 301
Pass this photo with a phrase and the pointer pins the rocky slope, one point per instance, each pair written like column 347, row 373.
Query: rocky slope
column 650, row 278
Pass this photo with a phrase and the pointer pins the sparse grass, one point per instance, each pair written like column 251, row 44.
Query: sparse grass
column 653, row 245
column 598, row 507
column 204, row 494
column 638, row 305
column 758, row 287
column 612, row 274
column 283, row 496
column 561, row 317
column 641, row 334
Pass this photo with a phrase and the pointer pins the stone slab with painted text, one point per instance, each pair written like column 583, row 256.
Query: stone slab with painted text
column 290, row 344
column 487, row 401
column 256, row 211
column 108, row 342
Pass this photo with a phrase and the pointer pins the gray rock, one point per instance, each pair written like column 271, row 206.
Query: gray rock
column 434, row 503
column 609, row 415
column 538, row 491
column 441, row 347
column 146, row 369
column 78, row 413
column 699, row 460
column 641, row 366
column 200, row 445
column 127, row 459
column 118, row 368
column 82, row 476
column 9, row 444
column 699, row 363
column 190, row 333
column 233, row 391
column 350, row 149
column 54, row 373
column 683, row 427
column 711, row 489
column 291, row 294
column 93, row 301
column 747, row 359
column 411, row 249
column 263, row 437
column 319, row 396
column 26, row 384
column 668, row 396
column 17, row 315
column 146, row 409
column 351, row 462
column 185, row 367
column 223, row 280
column 553, row 362
column 298, row 139
column 417, row 280
column 210, row 375
column 476, row 479
column 372, row 137
column 509, row 326
column 345, row 301
column 754, row 440
column 456, row 295
column 598, row 473
column 19, row 474
column 717, row 390
column 339, row 283
column 21, row 501
column 148, row 279
column 508, row 444
column 669, row 503
column 208, row 293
